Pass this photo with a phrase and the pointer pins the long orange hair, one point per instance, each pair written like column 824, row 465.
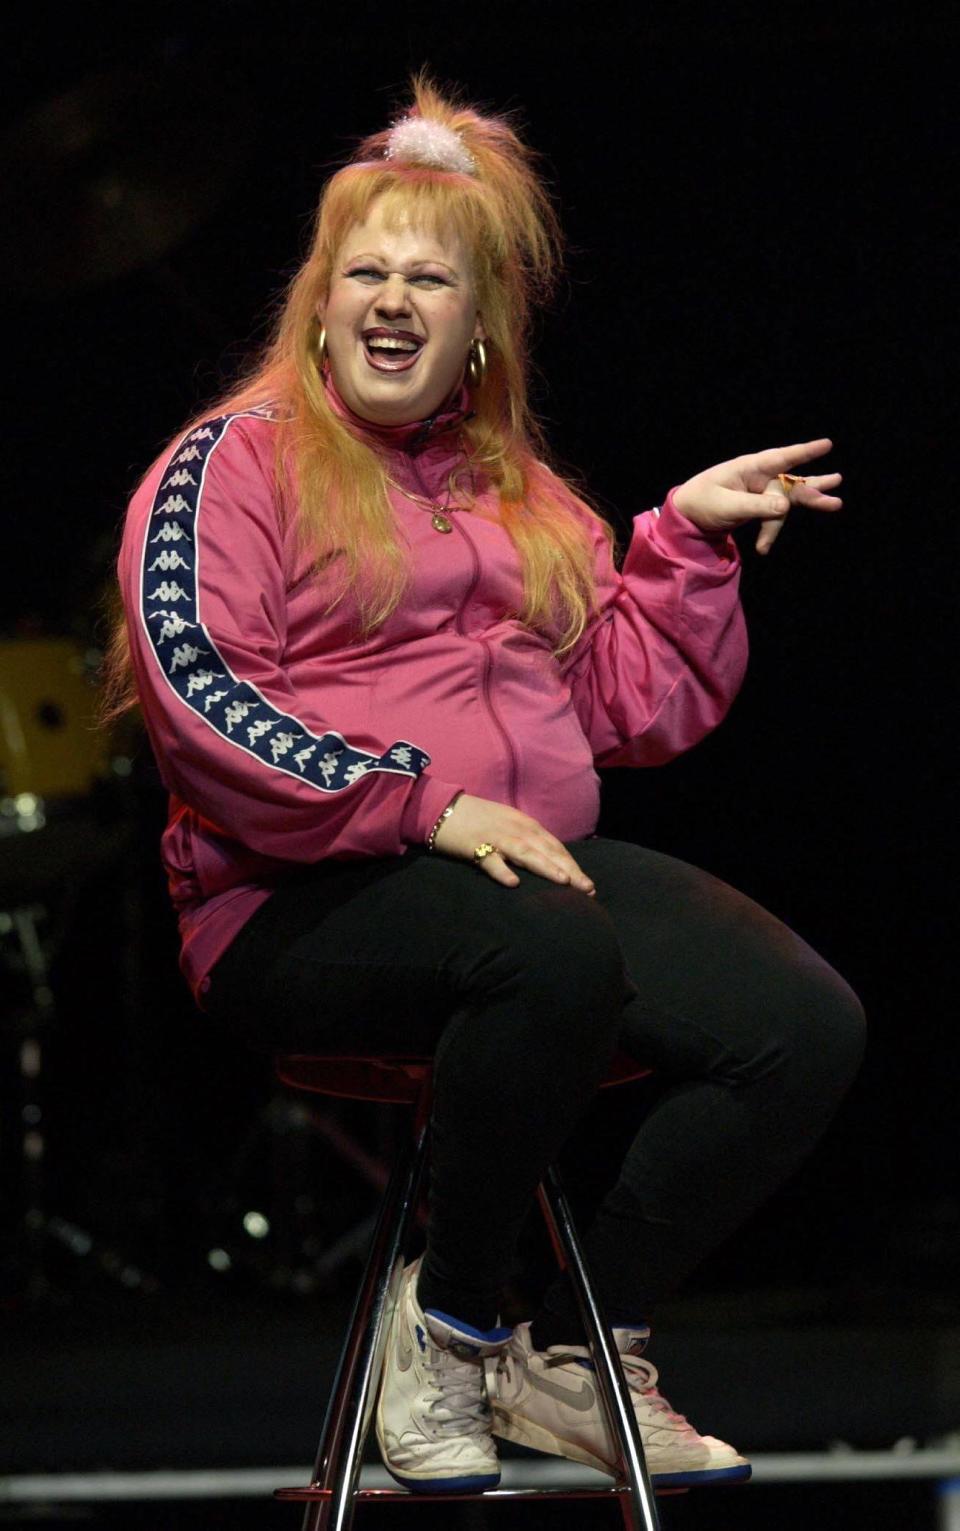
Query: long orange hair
column 504, row 217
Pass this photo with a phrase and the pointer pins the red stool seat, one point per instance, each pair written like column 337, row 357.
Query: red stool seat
column 394, row 1080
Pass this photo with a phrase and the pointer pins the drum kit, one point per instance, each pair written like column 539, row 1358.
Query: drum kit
column 68, row 817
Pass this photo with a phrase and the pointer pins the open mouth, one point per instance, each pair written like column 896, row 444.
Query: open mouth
column 391, row 350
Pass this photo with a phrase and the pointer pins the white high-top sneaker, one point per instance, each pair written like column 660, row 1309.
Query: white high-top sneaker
column 550, row 1400
column 433, row 1419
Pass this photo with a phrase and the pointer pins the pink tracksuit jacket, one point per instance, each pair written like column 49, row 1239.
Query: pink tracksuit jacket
column 283, row 740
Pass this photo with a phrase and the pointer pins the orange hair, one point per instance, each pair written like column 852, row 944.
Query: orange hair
column 505, row 220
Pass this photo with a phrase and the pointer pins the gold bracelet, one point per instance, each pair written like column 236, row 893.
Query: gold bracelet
column 444, row 815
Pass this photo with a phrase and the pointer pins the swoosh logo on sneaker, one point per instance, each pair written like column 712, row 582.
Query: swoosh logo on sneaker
column 404, row 1348
column 583, row 1398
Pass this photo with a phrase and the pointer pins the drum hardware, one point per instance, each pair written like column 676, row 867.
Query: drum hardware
column 22, row 814
column 275, row 1232
column 28, row 954
column 265, row 1218
column 55, row 767
column 63, row 819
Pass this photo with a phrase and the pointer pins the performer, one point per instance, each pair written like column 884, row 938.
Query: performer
column 380, row 646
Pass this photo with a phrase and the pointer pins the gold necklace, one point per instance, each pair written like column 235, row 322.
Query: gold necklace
column 438, row 520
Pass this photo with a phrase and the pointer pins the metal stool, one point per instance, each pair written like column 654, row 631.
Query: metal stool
column 332, row 1495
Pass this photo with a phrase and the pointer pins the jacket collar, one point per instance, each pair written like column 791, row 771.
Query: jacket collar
column 414, row 437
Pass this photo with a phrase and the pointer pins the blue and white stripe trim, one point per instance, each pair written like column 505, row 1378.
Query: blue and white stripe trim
column 189, row 660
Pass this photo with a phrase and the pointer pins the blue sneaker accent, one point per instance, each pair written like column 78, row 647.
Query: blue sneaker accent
column 478, row 1484
column 697, row 1479
column 421, row 1338
column 485, row 1336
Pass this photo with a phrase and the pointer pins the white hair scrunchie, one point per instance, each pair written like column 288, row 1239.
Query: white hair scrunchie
column 421, row 141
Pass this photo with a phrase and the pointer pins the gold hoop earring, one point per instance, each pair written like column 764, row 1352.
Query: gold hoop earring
column 477, row 362
column 322, row 349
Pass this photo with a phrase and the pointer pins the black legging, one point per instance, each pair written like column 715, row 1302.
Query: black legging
column 522, row 995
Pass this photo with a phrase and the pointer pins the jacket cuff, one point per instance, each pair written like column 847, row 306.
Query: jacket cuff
column 426, row 801
column 689, row 541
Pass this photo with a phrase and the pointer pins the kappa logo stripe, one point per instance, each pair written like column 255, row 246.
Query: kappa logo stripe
column 189, row 659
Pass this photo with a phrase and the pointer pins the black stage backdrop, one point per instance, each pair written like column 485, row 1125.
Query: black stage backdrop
column 756, row 206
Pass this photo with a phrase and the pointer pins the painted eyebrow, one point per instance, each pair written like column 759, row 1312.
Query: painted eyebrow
column 369, row 255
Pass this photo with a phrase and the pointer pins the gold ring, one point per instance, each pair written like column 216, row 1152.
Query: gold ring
column 787, row 481
column 482, row 851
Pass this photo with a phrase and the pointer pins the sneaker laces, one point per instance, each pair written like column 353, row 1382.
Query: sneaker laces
column 456, row 1399
column 642, row 1377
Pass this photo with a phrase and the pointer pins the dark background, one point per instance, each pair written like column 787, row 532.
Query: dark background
column 759, row 242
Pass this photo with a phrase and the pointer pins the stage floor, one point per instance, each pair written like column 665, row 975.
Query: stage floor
column 216, row 1378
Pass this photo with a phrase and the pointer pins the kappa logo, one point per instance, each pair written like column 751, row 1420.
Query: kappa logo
column 582, row 1398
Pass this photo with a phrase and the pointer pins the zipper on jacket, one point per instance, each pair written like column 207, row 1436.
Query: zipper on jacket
column 454, row 522
column 512, row 785
column 487, row 660
column 487, row 665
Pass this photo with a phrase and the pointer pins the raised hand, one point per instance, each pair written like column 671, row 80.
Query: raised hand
column 518, row 837
column 748, row 488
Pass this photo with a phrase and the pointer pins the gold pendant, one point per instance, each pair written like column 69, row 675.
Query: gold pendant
column 440, row 523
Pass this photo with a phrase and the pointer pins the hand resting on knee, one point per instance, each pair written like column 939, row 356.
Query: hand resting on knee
column 517, row 837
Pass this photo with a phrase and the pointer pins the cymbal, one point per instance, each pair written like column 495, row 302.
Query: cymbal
column 112, row 175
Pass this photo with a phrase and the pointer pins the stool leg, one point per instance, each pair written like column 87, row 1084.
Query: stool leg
column 639, row 1508
column 350, row 1409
